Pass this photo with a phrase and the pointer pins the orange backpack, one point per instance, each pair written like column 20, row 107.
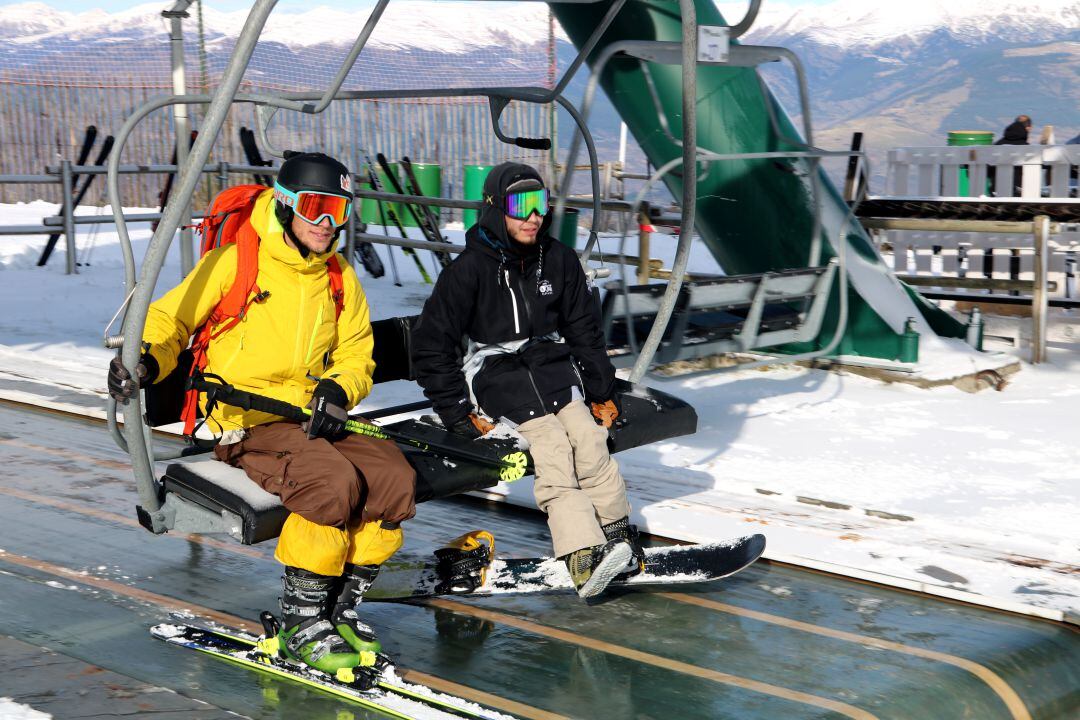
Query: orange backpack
column 227, row 222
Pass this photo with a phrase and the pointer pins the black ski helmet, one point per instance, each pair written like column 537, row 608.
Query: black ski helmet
column 314, row 171
column 310, row 171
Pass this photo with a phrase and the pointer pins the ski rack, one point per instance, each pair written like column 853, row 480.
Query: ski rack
column 685, row 54
column 134, row 438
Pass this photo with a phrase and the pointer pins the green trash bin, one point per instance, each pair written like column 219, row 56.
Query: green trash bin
column 474, row 190
column 964, row 138
column 429, row 175
column 369, row 209
column 569, row 227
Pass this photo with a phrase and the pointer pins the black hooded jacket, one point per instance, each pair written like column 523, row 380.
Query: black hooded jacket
column 1016, row 133
column 512, row 302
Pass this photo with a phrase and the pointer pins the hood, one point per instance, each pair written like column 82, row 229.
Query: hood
column 491, row 220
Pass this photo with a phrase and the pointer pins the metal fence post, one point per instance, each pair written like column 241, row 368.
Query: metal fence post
column 1039, row 299
column 644, row 235
column 68, row 211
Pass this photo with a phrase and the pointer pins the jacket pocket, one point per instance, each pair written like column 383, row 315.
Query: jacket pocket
column 503, row 385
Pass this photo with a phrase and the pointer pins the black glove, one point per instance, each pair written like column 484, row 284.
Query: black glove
column 122, row 387
column 472, row 426
column 328, row 414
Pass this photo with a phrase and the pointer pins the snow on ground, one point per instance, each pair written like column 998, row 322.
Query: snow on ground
column 11, row 710
column 962, row 495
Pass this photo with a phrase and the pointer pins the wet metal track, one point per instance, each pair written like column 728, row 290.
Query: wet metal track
column 81, row 579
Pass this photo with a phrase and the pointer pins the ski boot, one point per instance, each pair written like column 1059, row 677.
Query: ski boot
column 462, row 563
column 623, row 530
column 350, row 591
column 306, row 635
column 592, row 568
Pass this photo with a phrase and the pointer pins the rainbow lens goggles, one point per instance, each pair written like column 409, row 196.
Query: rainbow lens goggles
column 313, row 206
column 521, row 205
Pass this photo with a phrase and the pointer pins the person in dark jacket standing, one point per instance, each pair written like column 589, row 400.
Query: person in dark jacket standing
column 535, row 356
column 1016, row 132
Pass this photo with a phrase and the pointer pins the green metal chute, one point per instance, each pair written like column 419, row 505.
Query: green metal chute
column 754, row 214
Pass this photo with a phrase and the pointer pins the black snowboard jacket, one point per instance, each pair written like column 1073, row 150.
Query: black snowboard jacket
column 532, row 322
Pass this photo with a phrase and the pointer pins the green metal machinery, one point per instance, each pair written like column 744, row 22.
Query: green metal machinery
column 755, row 215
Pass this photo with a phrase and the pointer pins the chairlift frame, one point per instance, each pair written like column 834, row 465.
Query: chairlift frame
column 159, row 512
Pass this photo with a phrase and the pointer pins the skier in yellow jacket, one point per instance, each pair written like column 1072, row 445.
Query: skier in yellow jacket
column 347, row 493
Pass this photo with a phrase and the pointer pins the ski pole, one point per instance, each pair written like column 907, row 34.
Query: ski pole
column 429, row 233
column 386, row 232
column 511, row 466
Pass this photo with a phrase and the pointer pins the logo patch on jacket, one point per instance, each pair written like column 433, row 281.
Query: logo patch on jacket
column 545, row 287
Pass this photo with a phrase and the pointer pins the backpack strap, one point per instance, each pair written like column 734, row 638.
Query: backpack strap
column 337, row 285
column 232, row 308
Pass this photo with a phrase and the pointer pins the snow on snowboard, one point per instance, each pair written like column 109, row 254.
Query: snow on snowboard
column 507, row 576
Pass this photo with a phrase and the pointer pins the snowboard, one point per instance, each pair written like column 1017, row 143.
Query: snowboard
column 377, row 688
column 672, row 565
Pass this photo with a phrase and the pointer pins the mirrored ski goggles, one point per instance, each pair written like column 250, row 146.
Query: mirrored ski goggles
column 313, row 206
column 521, row 205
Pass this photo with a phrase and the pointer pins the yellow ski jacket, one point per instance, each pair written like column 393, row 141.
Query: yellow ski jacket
column 284, row 344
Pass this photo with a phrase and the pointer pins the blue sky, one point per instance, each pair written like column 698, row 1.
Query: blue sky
column 114, row 5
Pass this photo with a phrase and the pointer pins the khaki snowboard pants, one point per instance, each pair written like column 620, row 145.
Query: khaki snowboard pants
column 578, row 484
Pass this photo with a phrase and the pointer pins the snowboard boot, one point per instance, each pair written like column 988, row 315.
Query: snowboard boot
column 350, row 591
column 592, row 568
column 623, row 530
column 306, row 634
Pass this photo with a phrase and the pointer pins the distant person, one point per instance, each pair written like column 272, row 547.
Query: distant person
column 1016, row 133
column 1046, row 137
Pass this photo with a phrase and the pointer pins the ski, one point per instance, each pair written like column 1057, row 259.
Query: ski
column 672, row 565
column 373, row 178
column 377, row 688
column 84, row 152
column 429, row 235
column 429, row 224
column 254, row 157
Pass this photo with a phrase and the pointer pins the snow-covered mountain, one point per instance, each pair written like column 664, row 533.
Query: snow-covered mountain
column 854, row 24
column 904, row 72
column 441, row 26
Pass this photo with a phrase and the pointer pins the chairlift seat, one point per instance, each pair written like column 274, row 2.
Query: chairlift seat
column 218, row 487
column 730, row 314
column 207, row 495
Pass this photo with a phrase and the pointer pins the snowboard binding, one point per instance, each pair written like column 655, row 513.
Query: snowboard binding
column 462, row 563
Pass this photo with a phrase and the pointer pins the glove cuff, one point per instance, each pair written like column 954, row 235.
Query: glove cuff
column 334, row 393
column 152, row 369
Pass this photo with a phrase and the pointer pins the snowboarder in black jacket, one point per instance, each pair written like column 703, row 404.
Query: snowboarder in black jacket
column 533, row 356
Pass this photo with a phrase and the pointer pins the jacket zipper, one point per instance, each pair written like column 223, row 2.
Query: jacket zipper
column 539, row 397
column 525, row 301
column 513, row 300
